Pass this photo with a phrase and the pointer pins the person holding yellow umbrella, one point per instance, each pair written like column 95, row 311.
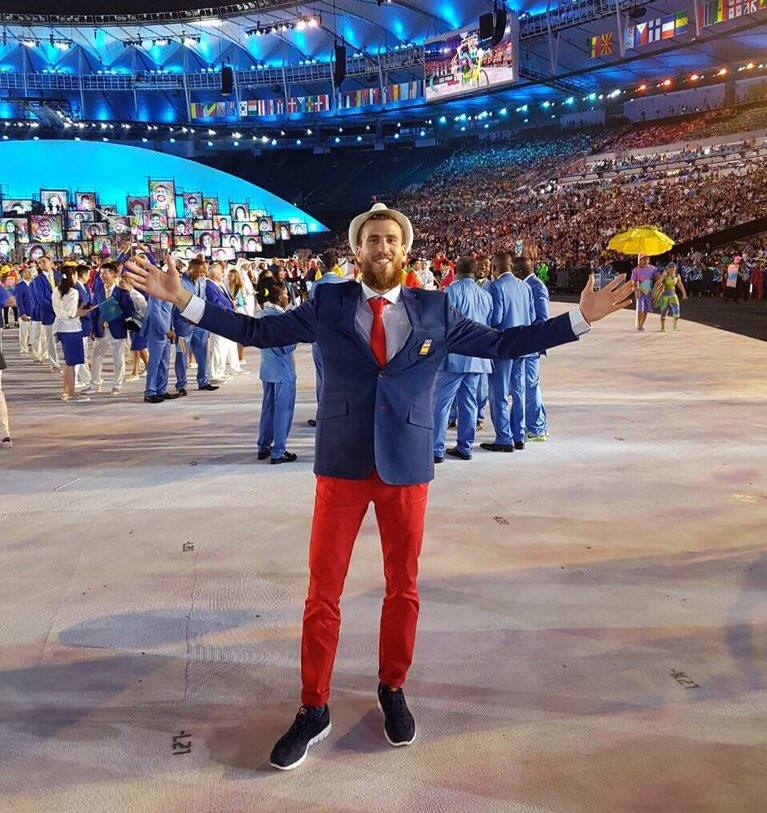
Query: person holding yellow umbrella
column 645, row 241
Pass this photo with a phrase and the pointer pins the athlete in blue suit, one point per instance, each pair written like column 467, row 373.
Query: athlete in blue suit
column 157, row 330
column 25, row 304
column 512, row 307
column 536, row 428
column 278, row 377
column 194, row 281
column 459, row 379
column 382, row 346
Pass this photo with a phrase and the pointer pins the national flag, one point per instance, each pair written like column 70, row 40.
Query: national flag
column 641, row 34
column 601, row 45
column 654, row 30
column 681, row 22
column 667, row 27
column 252, row 107
column 243, row 109
column 711, row 13
column 629, row 34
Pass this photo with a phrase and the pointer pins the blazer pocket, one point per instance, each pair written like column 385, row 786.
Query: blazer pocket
column 420, row 417
column 332, row 409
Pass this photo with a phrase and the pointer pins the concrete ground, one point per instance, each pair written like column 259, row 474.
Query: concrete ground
column 593, row 633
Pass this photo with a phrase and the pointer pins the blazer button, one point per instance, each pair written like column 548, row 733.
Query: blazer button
column 380, row 375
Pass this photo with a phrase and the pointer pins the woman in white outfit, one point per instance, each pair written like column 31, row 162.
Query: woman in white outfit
column 67, row 326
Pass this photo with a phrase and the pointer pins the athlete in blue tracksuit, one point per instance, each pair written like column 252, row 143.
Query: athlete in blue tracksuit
column 459, row 379
column 156, row 328
column 278, row 377
column 536, row 428
column 192, row 335
column 512, row 307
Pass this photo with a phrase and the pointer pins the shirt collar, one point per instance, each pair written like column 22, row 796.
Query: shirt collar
column 529, row 276
column 393, row 294
column 505, row 274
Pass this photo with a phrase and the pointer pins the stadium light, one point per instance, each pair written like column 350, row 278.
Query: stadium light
column 503, row 111
column 642, row 87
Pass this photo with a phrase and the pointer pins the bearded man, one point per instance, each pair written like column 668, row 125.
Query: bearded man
column 382, row 345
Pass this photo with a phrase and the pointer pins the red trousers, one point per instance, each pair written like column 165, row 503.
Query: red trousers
column 339, row 508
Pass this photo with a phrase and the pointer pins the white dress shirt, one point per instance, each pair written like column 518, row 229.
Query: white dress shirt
column 395, row 319
column 65, row 307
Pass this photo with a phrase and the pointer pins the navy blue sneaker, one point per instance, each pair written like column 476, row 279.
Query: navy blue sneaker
column 399, row 725
column 310, row 727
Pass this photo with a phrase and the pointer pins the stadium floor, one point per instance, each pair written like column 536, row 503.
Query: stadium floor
column 594, row 616
column 747, row 318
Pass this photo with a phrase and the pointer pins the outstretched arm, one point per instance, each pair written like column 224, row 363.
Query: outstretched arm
column 473, row 339
column 288, row 328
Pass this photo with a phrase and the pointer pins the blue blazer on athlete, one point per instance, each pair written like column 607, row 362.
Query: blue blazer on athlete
column 540, row 299
column 86, row 300
column 475, row 304
column 44, row 298
column 372, row 417
column 182, row 327
column 214, row 293
column 117, row 327
column 157, row 320
column 277, row 363
column 23, row 298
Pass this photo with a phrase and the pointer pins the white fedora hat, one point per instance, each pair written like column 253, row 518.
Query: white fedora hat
column 381, row 209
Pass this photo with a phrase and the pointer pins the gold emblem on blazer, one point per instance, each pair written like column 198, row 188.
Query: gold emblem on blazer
column 425, row 347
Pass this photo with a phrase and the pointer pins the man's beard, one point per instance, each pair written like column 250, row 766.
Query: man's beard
column 382, row 277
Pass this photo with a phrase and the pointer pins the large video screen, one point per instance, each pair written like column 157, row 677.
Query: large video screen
column 461, row 62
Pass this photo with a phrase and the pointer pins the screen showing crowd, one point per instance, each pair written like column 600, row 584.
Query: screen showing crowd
column 64, row 225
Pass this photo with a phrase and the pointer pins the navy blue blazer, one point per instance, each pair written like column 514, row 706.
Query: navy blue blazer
column 23, row 296
column 86, row 300
column 214, row 293
column 44, row 298
column 372, row 417
column 117, row 327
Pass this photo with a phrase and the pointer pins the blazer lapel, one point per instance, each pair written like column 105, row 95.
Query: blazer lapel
column 349, row 305
column 413, row 309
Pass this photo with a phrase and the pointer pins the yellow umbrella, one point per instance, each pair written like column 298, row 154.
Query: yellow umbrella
column 641, row 240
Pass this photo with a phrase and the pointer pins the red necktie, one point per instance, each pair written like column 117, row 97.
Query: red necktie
column 377, row 332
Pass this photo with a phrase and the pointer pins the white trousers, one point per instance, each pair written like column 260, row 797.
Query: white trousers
column 83, row 371
column 5, row 425
column 36, row 346
column 100, row 348
column 49, row 342
column 219, row 353
column 25, row 329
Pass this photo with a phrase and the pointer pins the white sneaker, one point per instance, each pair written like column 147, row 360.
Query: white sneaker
column 240, row 372
column 192, row 365
column 91, row 389
column 81, row 399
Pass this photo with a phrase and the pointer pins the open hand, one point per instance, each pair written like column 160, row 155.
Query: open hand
column 595, row 305
column 157, row 283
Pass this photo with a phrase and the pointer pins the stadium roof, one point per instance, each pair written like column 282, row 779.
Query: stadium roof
column 190, row 38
